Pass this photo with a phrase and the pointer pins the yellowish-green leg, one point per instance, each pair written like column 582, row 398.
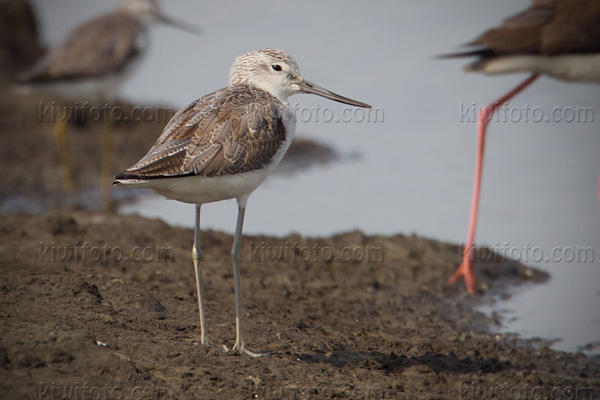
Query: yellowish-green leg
column 60, row 135
column 198, row 256
column 236, row 255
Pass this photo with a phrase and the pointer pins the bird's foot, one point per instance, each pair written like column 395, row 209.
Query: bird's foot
column 466, row 269
column 240, row 348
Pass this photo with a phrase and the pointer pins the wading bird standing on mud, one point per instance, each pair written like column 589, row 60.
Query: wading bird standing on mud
column 224, row 145
column 89, row 65
column 558, row 38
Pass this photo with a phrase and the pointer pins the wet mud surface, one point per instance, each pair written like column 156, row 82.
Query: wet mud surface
column 105, row 304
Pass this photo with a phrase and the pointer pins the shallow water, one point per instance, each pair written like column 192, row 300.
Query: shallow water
column 415, row 169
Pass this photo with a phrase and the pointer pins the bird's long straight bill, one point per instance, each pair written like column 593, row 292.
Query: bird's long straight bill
column 184, row 26
column 309, row 87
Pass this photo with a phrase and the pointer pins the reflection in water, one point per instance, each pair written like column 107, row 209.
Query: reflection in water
column 307, row 153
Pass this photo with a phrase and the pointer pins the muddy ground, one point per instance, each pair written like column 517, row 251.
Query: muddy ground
column 96, row 306
column 81, row 314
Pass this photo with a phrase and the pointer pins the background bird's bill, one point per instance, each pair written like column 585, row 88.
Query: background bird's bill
column 309, row 87
column 176, row 23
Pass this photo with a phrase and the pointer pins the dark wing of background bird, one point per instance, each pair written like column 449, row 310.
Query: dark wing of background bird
column 575, row 28
column 519, row 34
column 548, row 27
column 99, row 47
column 231, row 131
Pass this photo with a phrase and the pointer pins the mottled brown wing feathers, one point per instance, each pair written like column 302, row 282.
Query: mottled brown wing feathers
column 231, row 131
column 101, row 46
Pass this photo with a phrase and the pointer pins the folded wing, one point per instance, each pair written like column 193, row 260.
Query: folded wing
column 231, row 131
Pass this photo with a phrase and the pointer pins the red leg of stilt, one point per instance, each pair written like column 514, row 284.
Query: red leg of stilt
column 466, row 267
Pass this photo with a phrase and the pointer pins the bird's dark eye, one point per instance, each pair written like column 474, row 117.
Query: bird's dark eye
column 276, row 67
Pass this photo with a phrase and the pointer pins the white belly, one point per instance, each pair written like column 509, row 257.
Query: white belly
column 566, row 67
column 201, row 189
